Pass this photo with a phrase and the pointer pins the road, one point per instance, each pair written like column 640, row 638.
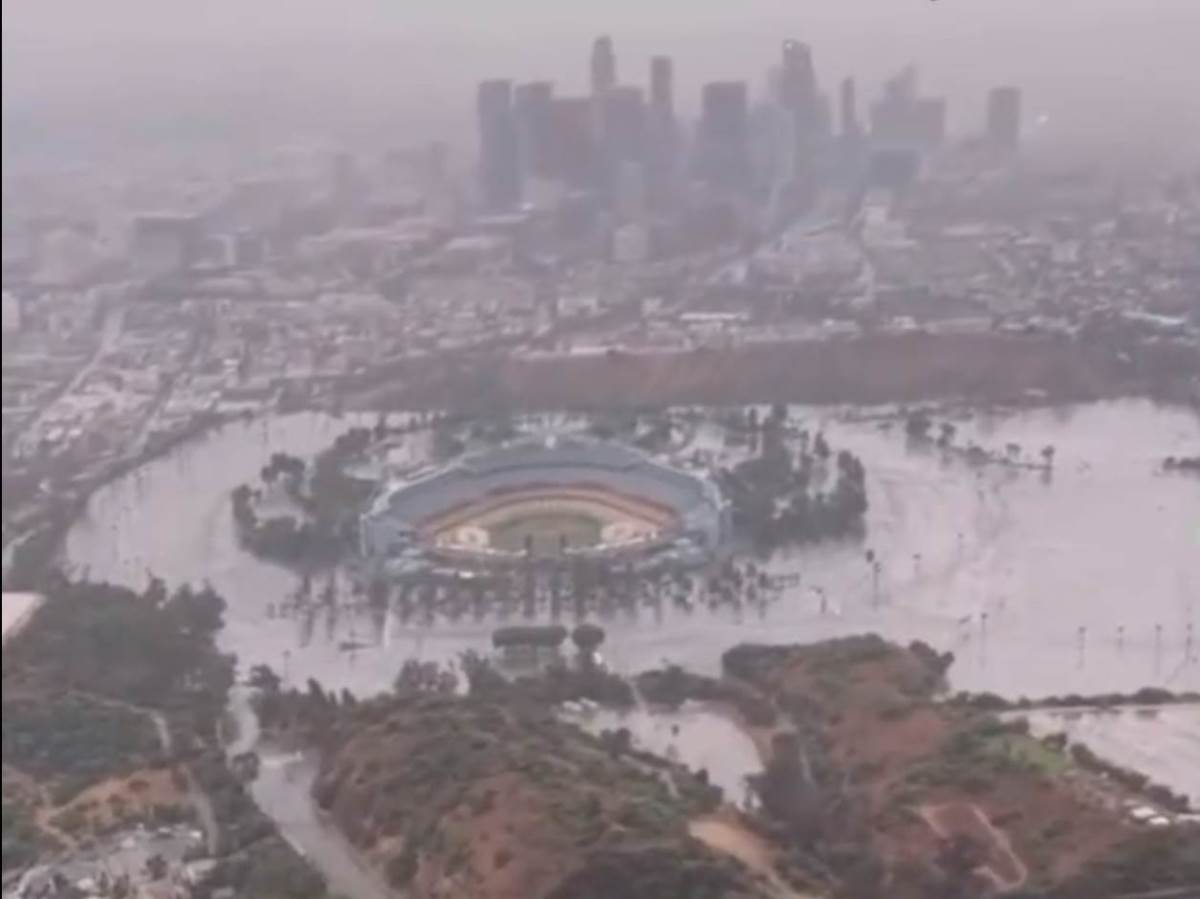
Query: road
column 110, row 334
column 283, row 791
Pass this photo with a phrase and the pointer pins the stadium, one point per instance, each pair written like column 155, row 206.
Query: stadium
column 545, row 499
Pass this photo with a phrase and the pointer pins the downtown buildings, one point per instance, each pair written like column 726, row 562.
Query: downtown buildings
column 622, row 155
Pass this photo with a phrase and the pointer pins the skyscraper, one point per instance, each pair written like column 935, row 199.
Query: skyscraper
column 1004, row 117
column 797, row 77
column 604, row 66
column 499, row 166
column 623, row 124
column 662, row 88
column 849, row 109
column 576, row 159
column 532, row 109
column 903, row 118
column 662, row 136
column 722, row 148
column 929, row 121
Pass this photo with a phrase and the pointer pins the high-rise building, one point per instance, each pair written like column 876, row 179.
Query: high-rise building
column 662, row 88
column 623, row 124
column 1004, row 117
column 604, row 66
column 499, row 166
column 902, row 118
column 576, row 157
column 533, row 111
column 164, row 244
column 630, row 194
column 797, row 77
column 722, row 139
column 799, row 95
column 662, row 135
column 849, row 109
column 929, row 121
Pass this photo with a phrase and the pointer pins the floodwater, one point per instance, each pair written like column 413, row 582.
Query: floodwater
column 283, row 790
column 1082, row 582
column 1163, row 742
column 694, row 735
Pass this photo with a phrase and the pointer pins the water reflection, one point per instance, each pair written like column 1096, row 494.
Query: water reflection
column 1083, row 583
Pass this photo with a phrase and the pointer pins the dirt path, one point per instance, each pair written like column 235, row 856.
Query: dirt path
column 968, row 818
column 723, row 833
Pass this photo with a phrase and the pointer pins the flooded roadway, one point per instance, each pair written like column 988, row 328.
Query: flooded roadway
column 1086, row 581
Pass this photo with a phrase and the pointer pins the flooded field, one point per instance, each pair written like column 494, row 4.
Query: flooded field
column 695, row 735
column 1086, row 580
column 1039, row 585
column 1165, row 741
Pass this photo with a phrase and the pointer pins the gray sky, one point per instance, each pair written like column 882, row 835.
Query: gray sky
column 1121, row 70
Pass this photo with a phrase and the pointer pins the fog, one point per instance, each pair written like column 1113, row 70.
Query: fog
column 1117, row 75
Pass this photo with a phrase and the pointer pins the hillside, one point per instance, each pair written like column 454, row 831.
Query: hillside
column 880, row 368
column 874, row 777
column 465, row 798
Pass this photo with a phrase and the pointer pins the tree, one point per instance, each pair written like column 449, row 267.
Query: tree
column 587, row 638
column 156, row 867
column 264, row 679
column 779, row 414
column 1048, row 455
column 917, row 426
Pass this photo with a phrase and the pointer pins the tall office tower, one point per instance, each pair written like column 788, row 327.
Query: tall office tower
column 532, row 105
column 623, row 124
column 499, row 166
column 903, row 118
column 797, row 78
column 164, row 244
column 662, row 136
column 722, row 146
column 1004, row 117
column 630, row 192
column 903, row 86
column 576, row 157
column 662, row 88
column 929, row 121
column 849, row 109
column 604, row 66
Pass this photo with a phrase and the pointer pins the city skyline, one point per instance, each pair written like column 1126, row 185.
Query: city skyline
column 335, row 75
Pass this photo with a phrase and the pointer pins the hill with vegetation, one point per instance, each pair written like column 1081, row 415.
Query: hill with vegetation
column 476, row 797
column 875, row 780
column 112, row 708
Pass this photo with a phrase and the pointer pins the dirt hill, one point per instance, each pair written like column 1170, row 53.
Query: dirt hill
column 463, row 798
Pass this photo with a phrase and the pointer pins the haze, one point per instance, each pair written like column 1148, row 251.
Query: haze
column 1119, row 75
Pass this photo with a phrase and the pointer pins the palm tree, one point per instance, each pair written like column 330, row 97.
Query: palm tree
column 1048, row 455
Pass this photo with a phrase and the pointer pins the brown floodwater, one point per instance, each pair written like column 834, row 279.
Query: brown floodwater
column 1084, row 581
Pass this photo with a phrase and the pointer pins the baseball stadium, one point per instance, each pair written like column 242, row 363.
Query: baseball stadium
column 546, row 499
